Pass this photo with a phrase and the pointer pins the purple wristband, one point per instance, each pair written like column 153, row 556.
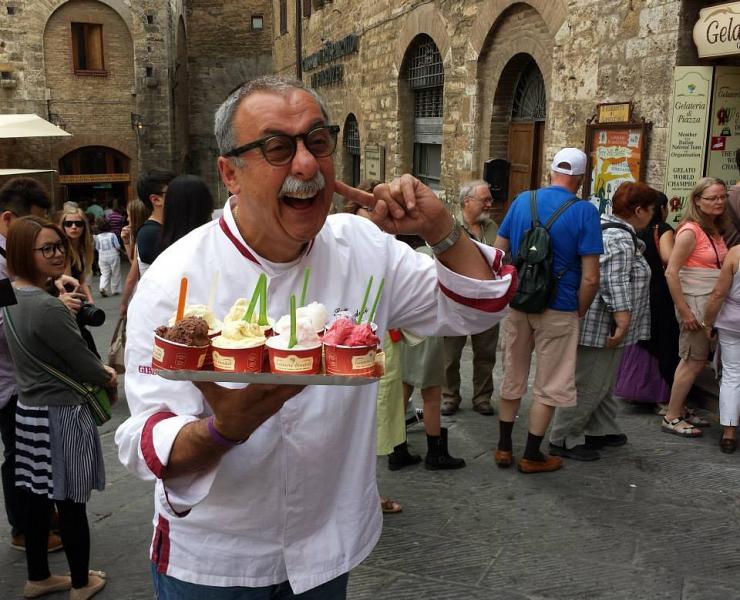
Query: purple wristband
column 218, row 438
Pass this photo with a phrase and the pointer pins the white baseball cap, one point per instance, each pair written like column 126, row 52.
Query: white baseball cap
column 572, row 157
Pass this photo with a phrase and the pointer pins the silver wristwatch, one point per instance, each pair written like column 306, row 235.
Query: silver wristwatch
column 447, row 242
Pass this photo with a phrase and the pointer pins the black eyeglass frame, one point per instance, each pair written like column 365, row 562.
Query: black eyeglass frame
column 59, row 247
column 260, row 143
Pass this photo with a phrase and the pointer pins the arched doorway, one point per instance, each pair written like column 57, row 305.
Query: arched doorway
column 95, row 172
column 421, row 90
column 520, row 105
column 351, row 151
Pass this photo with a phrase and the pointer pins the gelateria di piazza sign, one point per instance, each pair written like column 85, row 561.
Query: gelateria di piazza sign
column 717, row 32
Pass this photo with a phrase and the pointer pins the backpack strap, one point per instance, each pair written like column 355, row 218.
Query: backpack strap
column 560, row 210
column 533, row 208
column 623, row 228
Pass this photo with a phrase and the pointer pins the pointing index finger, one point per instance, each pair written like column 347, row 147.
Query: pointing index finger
column 364, row 199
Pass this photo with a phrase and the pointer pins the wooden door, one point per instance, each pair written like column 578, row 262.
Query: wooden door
column 521, row 155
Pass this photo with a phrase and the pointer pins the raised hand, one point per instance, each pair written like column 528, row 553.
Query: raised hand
column 405, row 205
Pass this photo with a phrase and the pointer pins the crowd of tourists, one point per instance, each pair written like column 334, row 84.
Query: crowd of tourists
column 269, row 491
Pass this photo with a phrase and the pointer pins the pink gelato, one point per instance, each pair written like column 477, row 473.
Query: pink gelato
column 345, row 332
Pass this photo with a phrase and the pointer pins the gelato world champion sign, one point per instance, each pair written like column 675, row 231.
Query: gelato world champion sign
column 717, row 32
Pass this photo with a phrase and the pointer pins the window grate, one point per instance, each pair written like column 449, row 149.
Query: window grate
column 351, row 137
column 530, row 97
column 428, row 102
column 425, row 65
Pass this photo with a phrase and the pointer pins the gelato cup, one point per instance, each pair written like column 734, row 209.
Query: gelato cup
column 350, row 360
column 202, row 311
column 239, row 348
column 175, row 356
column 298, row 360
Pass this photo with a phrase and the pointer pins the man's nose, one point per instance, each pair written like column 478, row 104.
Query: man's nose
column 304, row 164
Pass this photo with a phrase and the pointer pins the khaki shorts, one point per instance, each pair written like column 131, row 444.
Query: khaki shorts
column 553, row 336
column 693, row 345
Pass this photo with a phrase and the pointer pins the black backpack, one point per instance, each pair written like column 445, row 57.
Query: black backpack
column 533, row 262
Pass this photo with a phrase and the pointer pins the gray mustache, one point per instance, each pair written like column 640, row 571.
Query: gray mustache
column 293, row 186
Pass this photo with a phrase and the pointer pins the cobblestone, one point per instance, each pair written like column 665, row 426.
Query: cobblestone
column 655, row 519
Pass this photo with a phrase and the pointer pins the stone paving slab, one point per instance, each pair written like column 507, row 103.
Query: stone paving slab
column 655, row 519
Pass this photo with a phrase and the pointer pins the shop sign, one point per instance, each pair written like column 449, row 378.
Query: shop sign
column 102, row 178
column 331, row 76
column 717, row 32
column 725, row 125
column 614, row 112
column 331, row 52
column 688, row 135
column 375, row 162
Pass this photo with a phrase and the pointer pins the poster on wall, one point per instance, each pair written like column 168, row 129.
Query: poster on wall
column 724, row 132
column 615, row 153
column 687, row 140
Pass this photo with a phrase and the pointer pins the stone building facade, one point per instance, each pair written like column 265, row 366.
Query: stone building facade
column 136, row 83
column 507, row 80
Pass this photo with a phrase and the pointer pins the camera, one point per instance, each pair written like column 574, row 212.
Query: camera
column 90, row 315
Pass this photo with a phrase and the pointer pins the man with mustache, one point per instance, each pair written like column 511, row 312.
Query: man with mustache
column 475, row 206
column 268, row 491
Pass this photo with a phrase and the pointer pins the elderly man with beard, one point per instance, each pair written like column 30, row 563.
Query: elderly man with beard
column 475, row 205
column 269, row 491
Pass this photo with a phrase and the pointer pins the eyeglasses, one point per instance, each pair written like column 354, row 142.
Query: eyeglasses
column 74, row 223
column 49, row 250
column 721, row 198
column 280, row 149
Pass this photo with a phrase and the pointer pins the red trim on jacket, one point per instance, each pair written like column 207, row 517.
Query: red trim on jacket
column 147, row 443
column 161, row 546
column 236, row 241
column 487, row 304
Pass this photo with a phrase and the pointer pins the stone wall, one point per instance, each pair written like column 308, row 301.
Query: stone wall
column 589, row 52
column 222, row 53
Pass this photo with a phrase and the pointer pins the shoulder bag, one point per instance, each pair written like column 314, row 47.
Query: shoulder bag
column 96, row 396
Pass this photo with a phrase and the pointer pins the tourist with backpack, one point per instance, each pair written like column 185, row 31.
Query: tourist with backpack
column 555, row 243
column 618, row 317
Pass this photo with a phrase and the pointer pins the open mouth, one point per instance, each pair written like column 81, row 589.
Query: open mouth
column 299, row 203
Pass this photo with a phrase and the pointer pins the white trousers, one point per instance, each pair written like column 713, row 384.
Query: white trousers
column 110, row 273
column 729, row 389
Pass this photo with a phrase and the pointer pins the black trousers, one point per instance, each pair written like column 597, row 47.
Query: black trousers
column 74, row 531
column 10, row 492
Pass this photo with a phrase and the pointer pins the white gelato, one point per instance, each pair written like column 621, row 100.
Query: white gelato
column 314, row 312
column 305, row 333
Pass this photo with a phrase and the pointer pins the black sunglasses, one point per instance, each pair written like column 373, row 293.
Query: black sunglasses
column 280, row 149
column 74, row 223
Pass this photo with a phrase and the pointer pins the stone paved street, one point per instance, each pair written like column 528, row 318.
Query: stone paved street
column 656, row 519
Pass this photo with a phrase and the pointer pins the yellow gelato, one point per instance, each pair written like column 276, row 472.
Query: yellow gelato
column 202, row 311
column 239, row 334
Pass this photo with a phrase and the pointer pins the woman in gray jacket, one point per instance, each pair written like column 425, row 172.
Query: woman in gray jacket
column 59, row 458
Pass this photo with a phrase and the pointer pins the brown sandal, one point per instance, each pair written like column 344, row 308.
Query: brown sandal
column 728, row 445
column 389, row 506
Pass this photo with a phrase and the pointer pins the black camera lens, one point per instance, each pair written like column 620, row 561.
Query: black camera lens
column 90, row 315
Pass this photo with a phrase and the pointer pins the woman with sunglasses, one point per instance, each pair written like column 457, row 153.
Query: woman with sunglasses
column 55, row 433
column 693, row 270
column 77, row 231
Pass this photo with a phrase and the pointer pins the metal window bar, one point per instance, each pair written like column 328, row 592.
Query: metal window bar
column 428, row 102
column 530, row 97
column 351, row 138
column 425, row 65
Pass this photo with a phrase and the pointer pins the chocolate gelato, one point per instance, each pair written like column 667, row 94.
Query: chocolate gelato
column 191, row 331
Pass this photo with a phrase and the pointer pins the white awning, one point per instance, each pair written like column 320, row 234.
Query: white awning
column 28, row 125
column 9, row 172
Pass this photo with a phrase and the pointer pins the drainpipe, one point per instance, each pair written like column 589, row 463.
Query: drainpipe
column 298, row 40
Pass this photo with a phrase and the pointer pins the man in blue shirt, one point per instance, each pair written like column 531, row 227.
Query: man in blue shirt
column 553, row 334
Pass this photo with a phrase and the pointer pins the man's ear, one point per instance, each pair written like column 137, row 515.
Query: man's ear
column 6, row 218
column 155, row 199
column 228, row 174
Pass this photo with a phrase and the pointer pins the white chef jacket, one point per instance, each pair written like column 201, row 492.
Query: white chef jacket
column 298, row 501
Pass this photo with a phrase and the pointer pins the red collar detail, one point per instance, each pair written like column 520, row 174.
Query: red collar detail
column 236, row 241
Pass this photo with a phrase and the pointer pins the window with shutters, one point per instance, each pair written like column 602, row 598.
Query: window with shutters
column 87, row 49
column 351, row 143
column 306, row 8
column 283, row 17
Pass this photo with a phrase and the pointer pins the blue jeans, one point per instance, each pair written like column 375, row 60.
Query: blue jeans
column 169, row 588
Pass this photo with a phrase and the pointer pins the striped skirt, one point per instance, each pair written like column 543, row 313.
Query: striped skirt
column 58, row 452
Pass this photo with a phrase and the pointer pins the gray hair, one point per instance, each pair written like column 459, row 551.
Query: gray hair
column 468, row 188
column 224, row 119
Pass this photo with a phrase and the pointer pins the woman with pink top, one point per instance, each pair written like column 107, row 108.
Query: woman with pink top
column 692, row 272
column 726, row 294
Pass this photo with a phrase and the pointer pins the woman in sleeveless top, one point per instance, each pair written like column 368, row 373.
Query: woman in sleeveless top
column 726, row 294
column 692, row 271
